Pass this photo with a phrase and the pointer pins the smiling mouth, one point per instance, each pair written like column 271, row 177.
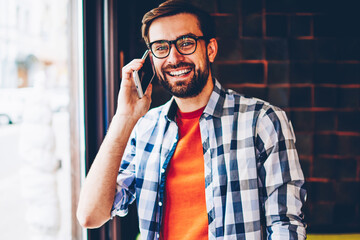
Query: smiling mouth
column 179, row 73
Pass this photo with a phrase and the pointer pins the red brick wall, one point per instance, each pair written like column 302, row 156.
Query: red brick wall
column 303, row 56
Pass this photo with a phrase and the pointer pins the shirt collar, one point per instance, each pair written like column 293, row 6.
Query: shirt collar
column 213, row 108
column 215, row 105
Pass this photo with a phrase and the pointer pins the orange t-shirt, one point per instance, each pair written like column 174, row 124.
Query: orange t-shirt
column 185, row 215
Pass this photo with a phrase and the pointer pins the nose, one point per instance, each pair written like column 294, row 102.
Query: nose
column 174, row 56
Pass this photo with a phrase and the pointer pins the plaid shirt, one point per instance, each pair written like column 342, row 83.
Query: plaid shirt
column 253, row 179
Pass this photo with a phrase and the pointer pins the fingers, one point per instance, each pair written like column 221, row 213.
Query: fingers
column 129, row 103
column 148, row 91
column 128, row 69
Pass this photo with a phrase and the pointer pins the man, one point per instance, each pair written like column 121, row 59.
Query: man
column 210, row 163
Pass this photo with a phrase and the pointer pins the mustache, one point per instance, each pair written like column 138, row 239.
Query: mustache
column 179, row 65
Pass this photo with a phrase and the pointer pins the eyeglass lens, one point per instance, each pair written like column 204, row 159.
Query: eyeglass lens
column 185, row 45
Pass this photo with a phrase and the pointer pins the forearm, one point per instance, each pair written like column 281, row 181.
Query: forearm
column 284, row 216
column 98, row 190
column 281, row 177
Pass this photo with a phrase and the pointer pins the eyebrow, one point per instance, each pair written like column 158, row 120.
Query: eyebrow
column 184, row 35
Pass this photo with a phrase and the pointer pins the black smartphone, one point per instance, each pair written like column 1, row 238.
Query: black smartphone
column 145, row 75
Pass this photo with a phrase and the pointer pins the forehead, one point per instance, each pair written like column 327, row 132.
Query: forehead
column 171, row 27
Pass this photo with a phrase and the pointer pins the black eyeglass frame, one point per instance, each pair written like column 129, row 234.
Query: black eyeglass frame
column 196, row 38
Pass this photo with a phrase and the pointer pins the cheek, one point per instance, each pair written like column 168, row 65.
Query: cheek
column 158, row 66
column 202, row 62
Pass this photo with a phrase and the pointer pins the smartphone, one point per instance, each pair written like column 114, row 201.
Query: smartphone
column 145, row 75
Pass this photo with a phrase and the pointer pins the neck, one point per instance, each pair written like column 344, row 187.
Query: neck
column 199, row 101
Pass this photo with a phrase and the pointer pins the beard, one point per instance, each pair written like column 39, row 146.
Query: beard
column 186, row 89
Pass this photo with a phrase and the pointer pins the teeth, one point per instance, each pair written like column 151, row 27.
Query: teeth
column 180, row 72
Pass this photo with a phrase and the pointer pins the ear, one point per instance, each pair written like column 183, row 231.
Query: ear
column 212, row 49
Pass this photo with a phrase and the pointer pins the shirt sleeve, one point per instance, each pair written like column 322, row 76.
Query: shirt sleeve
column 281, row 180
column 125, row 187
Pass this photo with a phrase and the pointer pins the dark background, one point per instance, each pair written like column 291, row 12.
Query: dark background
column 300, row 55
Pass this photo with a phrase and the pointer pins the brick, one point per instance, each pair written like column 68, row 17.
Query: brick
column 252, row 72
column 349, row 98
column 209, row 6
column 325, row 26
column 229, row 49
column 304, row 143
column 322, row 214
column 240, row 73
column 276, row 49
column 300, row 97
column 252, row 26
column 279, row 96
column 349, row 121
column 280, row 6
column 324, row 168
column 346, row 168
column 258, row 92
column 348, row 49
column 228, row 6
column 326, row 49
column 347, row 192
column 348, row 22
column 302, row 120
column 334, row 168
column 320, row 191
column 305, row 164
column 251, row 49
column 348, row 145
column 300, row 26
column 325, row 144
column 301, row 72
column 345, row 213
column 228, row 25
column 302, row 49
column 348, row 73
column 286, row 6
column 253, row 6
column 325, row 73
column 326, row 97
column 276, row 25
column 278, row 73
column 325, row 121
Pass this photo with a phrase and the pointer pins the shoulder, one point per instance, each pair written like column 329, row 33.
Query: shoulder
column 260, row 110
column 245, row 103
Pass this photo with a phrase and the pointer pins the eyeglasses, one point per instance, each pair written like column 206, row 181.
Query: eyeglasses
column 185, row 45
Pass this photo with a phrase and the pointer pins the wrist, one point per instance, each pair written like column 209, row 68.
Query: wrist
column 125, row 118
column 122, row 124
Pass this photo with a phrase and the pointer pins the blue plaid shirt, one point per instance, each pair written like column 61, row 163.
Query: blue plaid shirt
column 253, row 179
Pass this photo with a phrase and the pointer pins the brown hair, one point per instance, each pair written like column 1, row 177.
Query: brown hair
column 173, row 7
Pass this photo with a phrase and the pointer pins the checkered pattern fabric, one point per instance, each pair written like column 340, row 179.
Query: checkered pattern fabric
column 253, row 179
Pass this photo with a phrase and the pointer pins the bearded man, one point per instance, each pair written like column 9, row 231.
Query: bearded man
column 208, row 164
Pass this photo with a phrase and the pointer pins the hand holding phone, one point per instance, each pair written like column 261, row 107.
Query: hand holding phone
column 144, row 76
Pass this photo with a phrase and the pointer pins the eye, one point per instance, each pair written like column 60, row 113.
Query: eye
column 160, row 47
column 186, row 43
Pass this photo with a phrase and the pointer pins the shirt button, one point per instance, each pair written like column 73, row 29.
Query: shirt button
column 160, row 204
column 162, row 170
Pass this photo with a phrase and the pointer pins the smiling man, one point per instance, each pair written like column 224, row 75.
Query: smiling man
column 210, row 163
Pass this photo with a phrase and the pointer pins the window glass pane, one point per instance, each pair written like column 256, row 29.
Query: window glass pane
column 35, row 200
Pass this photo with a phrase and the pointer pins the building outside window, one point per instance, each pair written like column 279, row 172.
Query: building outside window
column 36, row 79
